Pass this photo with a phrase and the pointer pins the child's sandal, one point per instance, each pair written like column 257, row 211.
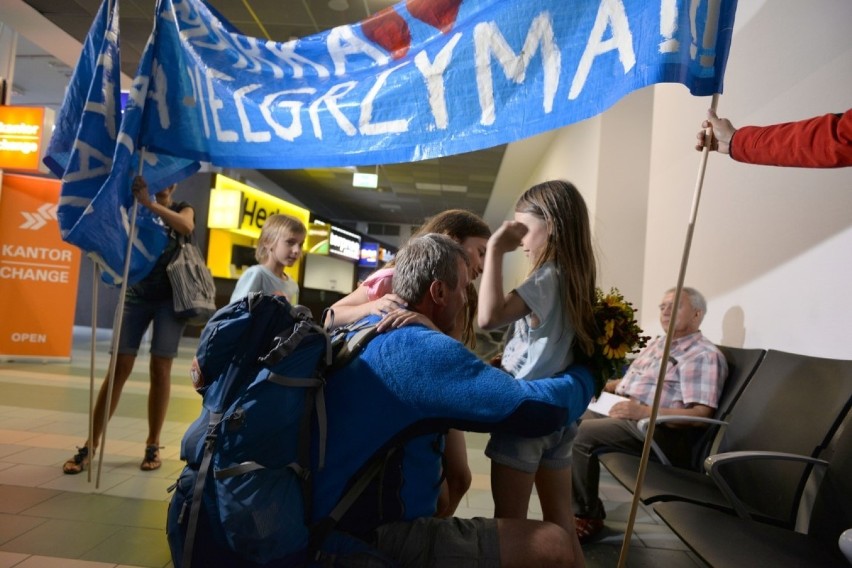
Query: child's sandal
column 152, row 458
column 78, row 463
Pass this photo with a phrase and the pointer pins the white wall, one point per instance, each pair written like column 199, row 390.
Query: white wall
column 772, row 248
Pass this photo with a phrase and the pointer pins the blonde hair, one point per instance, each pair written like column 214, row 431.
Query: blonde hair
column 569, row 246
column 272, row 230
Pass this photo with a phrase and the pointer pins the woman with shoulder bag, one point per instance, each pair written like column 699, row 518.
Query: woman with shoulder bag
column 149, row 300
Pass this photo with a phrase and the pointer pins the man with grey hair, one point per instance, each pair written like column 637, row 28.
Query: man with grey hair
column 695, row 375
column 393, row 403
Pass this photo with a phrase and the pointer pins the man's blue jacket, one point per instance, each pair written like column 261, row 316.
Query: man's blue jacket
column 405, row 390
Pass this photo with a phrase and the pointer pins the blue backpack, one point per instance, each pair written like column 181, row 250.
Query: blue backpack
column 244, row 496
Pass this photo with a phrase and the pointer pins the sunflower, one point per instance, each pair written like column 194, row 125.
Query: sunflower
column 619, row 335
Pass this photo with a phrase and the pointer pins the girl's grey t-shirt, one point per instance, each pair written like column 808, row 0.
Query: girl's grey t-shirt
column 535, row 353
column 258, row 278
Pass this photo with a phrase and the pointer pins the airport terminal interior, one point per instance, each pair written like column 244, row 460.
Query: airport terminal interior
column 52, row 520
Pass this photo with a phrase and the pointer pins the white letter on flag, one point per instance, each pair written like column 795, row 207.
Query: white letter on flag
column 433, row 73
column 610, row 14
column 487, row 39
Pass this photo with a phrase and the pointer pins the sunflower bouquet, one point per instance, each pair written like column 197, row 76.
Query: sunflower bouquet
column 619, row 334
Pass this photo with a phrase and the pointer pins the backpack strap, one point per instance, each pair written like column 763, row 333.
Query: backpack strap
column 323, row 528
column 283, row 346
column 198, row 490
column 353, row 344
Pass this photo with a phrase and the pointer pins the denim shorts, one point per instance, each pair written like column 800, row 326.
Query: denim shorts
column 167, row 329
column 528, row 454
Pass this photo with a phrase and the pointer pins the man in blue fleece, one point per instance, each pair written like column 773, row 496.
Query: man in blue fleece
column 403, row 391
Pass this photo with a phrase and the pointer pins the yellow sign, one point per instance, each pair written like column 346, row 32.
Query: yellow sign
column 236, row 215
column 257, row 206
column 224, row 209
column 38, row 272
column 24, row 132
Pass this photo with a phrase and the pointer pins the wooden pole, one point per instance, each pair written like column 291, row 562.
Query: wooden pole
column 95, row 277
column 116, row 328
column 649, row 435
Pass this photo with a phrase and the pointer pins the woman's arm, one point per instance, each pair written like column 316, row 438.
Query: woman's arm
column 182, row 222
column 357, row 305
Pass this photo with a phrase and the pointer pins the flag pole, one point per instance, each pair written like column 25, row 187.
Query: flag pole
column 116, row 328
column 649, row 435
column 95, row 276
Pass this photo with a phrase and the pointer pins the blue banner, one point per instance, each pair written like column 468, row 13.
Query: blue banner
column 97, row 159
column 419, row 80
column 422, row 79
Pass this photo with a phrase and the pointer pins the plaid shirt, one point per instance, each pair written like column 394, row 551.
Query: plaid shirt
column 695, row 374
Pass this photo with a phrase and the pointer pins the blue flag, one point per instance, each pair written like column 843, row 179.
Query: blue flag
column 421, row 79
column 418, row 80
column 87, row 75
column 97, row 159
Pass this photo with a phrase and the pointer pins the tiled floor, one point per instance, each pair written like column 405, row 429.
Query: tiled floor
column 52, row 520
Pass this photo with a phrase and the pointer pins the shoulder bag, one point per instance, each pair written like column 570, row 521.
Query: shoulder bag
column 193, row 290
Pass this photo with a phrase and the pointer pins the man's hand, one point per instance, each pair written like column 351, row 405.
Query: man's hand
column 721, row 133
column 630, row 410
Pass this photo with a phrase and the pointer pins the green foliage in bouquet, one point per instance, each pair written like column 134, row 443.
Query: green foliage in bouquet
column 619, row 335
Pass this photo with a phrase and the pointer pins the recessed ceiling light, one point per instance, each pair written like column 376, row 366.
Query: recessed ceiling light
column 365, row 180
column 338, row 5
column 441, row 187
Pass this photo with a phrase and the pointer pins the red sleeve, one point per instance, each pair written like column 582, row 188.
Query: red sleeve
column 820, row 142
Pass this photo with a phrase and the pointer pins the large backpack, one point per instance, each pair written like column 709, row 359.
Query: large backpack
column 260, row 368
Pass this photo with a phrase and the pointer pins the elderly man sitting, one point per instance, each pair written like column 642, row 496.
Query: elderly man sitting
column 695, row 375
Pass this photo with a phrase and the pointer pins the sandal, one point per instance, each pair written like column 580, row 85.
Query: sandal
column 78, row 463
column 152, row 458
column 587, row 528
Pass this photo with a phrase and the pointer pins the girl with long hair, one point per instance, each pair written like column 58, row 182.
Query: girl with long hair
column 551, row 314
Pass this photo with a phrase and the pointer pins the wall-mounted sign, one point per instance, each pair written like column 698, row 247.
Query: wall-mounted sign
column 369, row 255
column 235, row 217
column 24, row 132
column 224, row 209
column 344, row 243
column 255, row 208
column 38, row 272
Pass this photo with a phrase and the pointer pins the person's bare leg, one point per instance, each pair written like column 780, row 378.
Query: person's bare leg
column 123, row 368
column 525, row 543
column 510, row 489
column 554, row 493
column 158, row 397
column 158, row 404
column 457, row 475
